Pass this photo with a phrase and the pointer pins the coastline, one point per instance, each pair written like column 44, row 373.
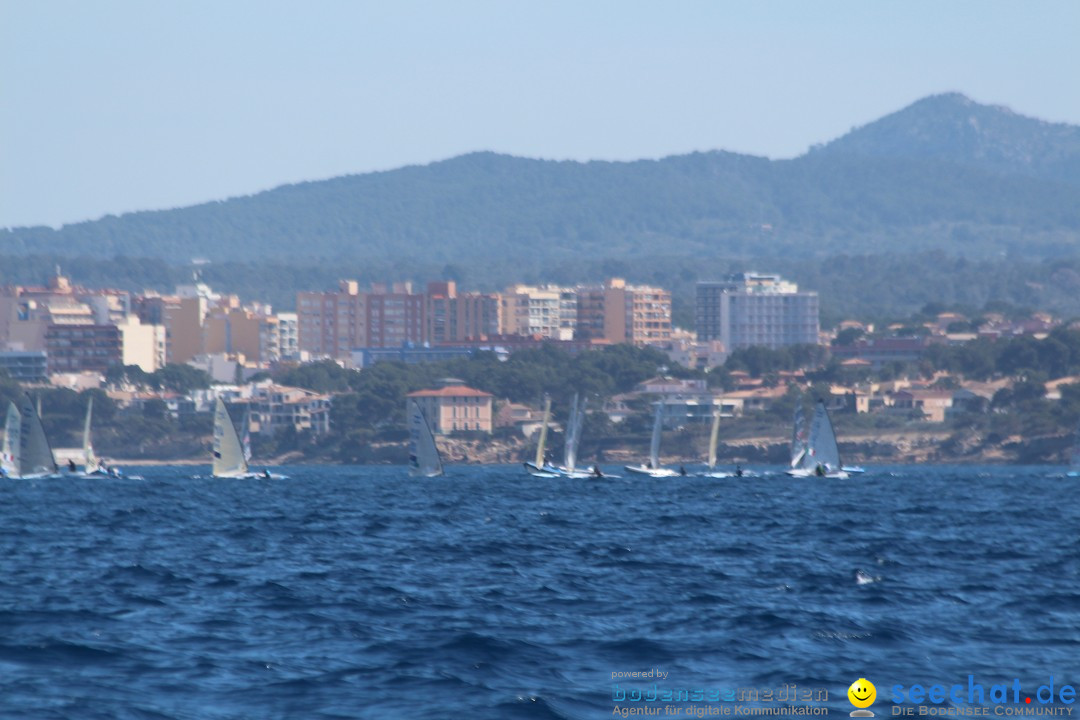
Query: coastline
column 890, row 448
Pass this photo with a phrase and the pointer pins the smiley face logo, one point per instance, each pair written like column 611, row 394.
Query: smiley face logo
column 862, row 693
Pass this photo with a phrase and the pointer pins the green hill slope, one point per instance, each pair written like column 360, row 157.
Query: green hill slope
column 944, row 173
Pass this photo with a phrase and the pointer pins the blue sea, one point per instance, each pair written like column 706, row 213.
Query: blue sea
column 358, row 592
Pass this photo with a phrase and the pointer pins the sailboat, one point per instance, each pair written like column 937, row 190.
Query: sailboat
column 91, row 464
column 799, row 445
column 228, row 455
column 9, row 466
column 798, row 436
column 573, row 437
column 714, row 438
column 540, row 467
column 34, row 457
column 822, row 457
column 245, row 440
column 653, row 469
column 423, row 454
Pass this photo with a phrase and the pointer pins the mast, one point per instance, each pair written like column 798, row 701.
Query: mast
column 714, row 436
column 798, row 436
column 245, row 427
column 89, row 459
column 573, row 434
column 12, row 432
column 543, row 432
column 654, row 447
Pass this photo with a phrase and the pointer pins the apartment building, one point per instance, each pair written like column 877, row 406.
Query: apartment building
column 621, row 313
column 395, row 315
column 749, row 309
column 453, row 316
column 332, row 323
column 547, row 311
column 79, row 329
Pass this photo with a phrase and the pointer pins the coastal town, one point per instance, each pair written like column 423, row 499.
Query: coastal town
column 757, row 343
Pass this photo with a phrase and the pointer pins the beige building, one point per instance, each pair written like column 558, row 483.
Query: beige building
column 621, row 313
column 454, row 407
column 79, row 328
column 237, row 330
column 183, row 327
column 142, row 345
column 547, row 311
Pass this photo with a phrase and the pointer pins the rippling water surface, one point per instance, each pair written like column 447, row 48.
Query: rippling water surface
column 362, row 593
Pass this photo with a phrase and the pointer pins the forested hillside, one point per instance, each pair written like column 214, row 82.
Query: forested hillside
column 913, row 181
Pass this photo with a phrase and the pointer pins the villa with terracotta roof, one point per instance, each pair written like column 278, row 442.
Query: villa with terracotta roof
column 453, row 407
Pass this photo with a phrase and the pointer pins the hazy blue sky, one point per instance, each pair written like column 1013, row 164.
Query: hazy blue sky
column 108, row 106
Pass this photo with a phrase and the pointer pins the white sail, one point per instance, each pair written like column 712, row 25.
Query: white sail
column 89, row 458
column 654, row 446
column 573, row 434
column 9, row 456
column 826, row 453
column 35, row 456
column 798, row 436
column 228, row 454
column 245, row 433
column 423, row 453
column 714, row 437
column 542, row 444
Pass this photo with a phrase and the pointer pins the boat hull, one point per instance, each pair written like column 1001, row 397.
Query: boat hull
column 804, row 473
column 544, row 472
column 651, row 472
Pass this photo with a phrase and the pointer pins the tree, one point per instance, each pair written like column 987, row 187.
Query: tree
column 180, row 378
column 325, row 376
column 848, row 336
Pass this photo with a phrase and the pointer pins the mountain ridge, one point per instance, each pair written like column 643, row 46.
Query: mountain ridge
column 944, row 172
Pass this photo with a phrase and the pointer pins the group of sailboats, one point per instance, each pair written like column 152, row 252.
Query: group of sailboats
column 26, row 452
column 543, row 468
column 540, row 467
column 655, row 470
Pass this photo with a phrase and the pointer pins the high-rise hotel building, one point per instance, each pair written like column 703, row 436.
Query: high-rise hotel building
column 750, row 309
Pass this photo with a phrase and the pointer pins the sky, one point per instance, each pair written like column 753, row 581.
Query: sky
column 112, row 106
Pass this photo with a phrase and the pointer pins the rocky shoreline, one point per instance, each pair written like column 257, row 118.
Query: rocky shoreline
column 900, row 448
